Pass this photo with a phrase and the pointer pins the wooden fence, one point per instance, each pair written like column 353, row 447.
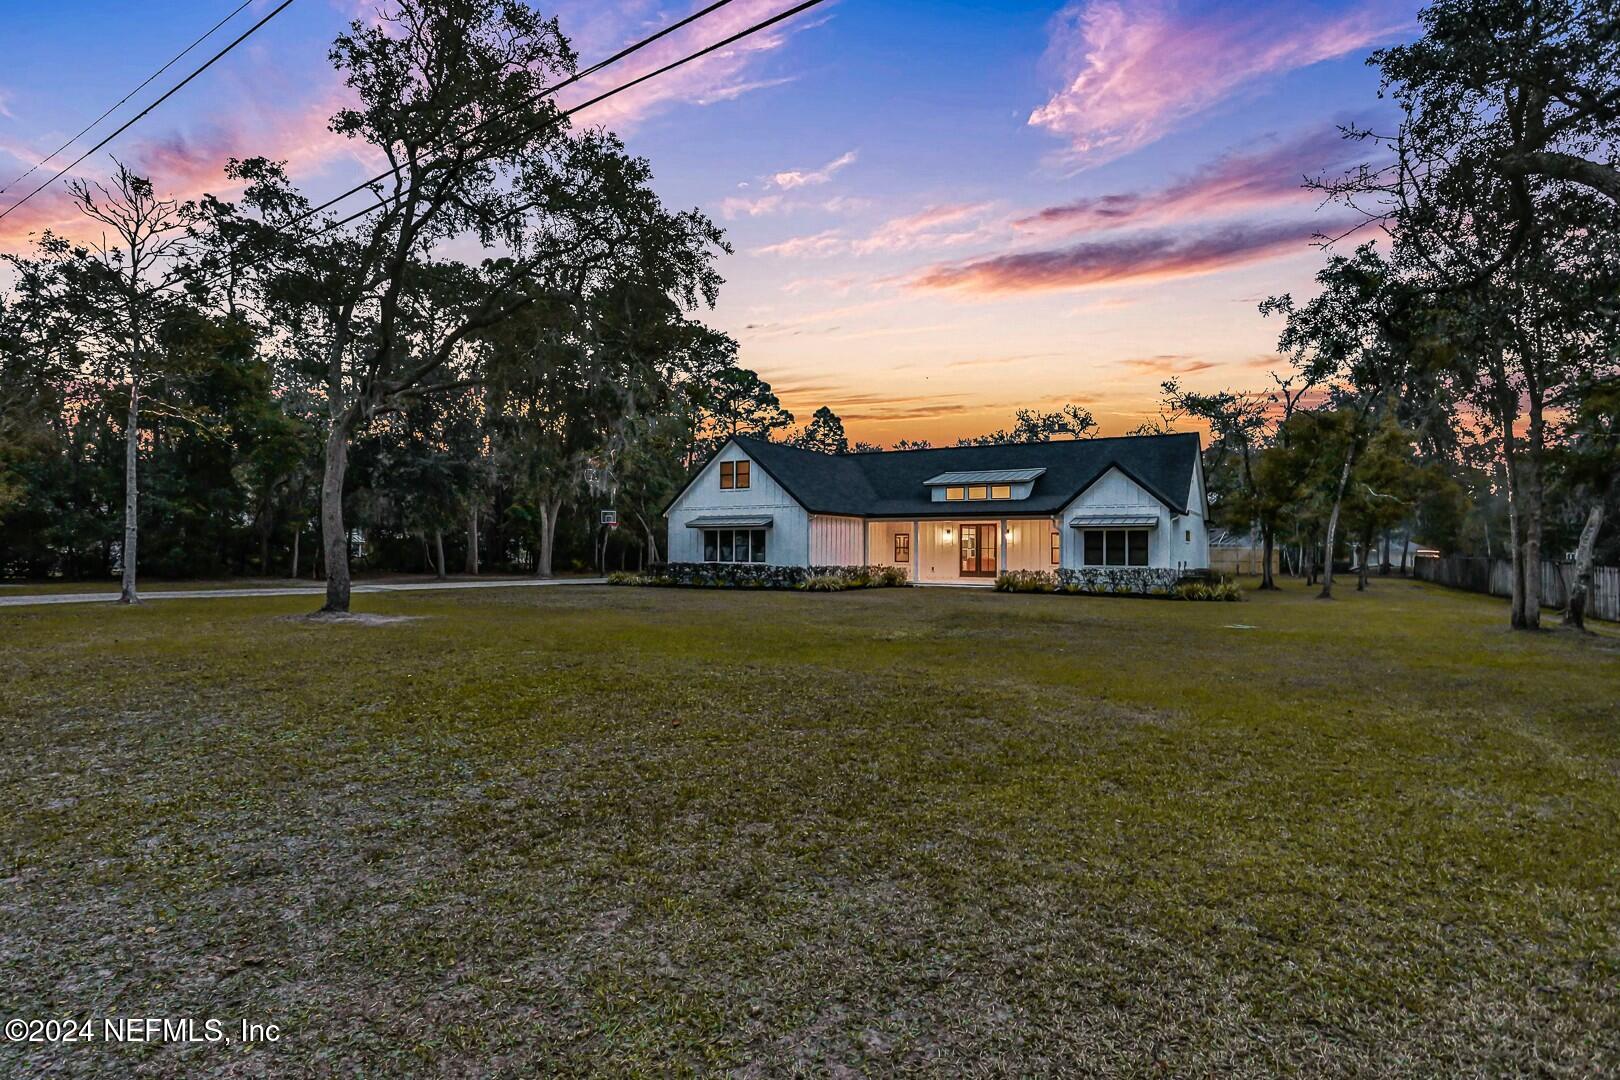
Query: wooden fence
column 1495, row 576
column 1242, row 559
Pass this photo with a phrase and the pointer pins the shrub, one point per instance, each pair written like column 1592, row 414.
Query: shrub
column 761, row 576
column 826, row 583
column 1118, row 580
column 1030, row 581
column 626, row 577
column 1208, row 590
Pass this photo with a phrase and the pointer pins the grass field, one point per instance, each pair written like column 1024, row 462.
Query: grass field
column 620, row 831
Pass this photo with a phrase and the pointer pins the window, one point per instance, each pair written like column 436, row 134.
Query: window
column 733, row 474
column 1001, row 491
column 978, row 491
column 902, row 547
column 734, row 545
column 953, row 494
column 1116, row 547
column 1189, row 536
column 742, row 474
column 1057, row 548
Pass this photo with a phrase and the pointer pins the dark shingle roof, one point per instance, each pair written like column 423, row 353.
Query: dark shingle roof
column 891, row 483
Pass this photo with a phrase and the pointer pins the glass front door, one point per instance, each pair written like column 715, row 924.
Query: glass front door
column 977, row 551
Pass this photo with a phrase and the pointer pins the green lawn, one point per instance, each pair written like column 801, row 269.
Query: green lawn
column 592, row 830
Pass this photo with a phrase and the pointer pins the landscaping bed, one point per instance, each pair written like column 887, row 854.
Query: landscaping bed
column 763, row 576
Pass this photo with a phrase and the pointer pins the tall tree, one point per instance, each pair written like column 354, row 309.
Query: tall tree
column 1592, row 466
column 824, row 432
column 450, row 93
column 1239, row 425
column 121, row 281
column 1034, row 425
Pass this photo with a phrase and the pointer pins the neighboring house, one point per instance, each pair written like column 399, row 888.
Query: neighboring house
column 956, row 514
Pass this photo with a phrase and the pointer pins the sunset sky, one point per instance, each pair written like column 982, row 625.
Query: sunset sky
column 941, row 210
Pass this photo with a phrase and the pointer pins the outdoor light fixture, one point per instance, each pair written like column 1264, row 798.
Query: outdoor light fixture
column 947, row 532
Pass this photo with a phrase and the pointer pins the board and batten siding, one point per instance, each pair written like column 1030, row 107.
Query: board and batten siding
column 786, row 544
column 836, row 541
column 1168, row 545
column 1029, row 544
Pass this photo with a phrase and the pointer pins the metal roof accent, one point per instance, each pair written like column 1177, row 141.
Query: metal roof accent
column 1102, row 521
column 731, row 521
column 985, row 476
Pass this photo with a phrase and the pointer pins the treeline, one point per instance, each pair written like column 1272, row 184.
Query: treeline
column 1457, row 376
column 265, row 386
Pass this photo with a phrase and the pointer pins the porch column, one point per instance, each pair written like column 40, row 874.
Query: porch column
column 916, row 552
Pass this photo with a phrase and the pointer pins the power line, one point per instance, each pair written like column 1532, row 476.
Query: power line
column 277, row 10
column 671, row 66
column 117, row 105
column 548, row 92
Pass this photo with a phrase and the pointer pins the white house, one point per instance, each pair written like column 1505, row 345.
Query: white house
column 956, row 514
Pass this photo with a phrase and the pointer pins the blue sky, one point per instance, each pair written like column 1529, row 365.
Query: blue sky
column 941, row 211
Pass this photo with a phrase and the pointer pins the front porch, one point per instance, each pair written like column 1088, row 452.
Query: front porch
column 965, row 551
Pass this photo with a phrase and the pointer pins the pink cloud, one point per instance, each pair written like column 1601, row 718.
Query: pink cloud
column 1139, row 257
column 1231, row 183
column 817, row 245
column 793, row 178
column 1132, row 73
column 185, row 165
column 719, row 76
column 736, row 206
column 934, row 227
column 1168, row 364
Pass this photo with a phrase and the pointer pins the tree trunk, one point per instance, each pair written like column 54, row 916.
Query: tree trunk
column 132, row 446
column 298, row 534
column 1575, row 611
column 1530, row 476
column 652, row 541
column 334, row 537
column 1383, row 567
column 472, row 541
column 1515, row 550
column 1267, row 546
column 1366, row 560
column 438, row 551
column 1333, row 528
column 264, row 546
column 549, row 509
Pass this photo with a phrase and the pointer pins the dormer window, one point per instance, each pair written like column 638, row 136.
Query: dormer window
column 733, row 474
column 984, row 485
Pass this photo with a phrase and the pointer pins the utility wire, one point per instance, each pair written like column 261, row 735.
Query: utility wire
column 277, row 10
column 173, row 60
column 548, row 92
column 671, row 66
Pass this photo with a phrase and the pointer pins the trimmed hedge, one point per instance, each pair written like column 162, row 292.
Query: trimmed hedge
column 1118, row 581
column 762, row 576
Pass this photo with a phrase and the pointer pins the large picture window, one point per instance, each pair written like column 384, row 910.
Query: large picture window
column 734, row 545
column 1116, row 547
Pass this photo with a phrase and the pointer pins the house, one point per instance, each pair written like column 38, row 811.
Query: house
column 949, row 515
